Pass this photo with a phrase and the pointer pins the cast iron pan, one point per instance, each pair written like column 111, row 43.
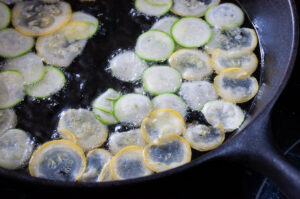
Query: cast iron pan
column 276, row 24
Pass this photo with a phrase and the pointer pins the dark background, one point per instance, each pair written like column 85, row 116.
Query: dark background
column 210, row 180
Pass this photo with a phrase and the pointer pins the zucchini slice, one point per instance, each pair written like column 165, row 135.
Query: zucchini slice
column 219, row 112
column 132, row 108
column 165, row 24
column 57, row 50
column 14, row 44
column 197, row 93
column 236, row 39
column 89, row 19
column 119, row 140
column 235, row 85
column 127, row 67
column 89, row 132
column 11, row 89
column 225, row 16
column 77, row 30
column 16, row 147
column 96, row 160
column 154, row 45
column 30, row 65
column 204, row 138
column 193, row 64
column 150, row 8
column 104, row 117
column 161, row 79
column 192, row 8
column 5, row 16
column 105, row 101
column 53, row 81
column 167, row 152
column 245, row 60
column 37, row 18
column 129, row 163
column 170, row 101
column 8, row 120
column 160, row 123
column 58, row 160
column 105, row 174
column 191, row 32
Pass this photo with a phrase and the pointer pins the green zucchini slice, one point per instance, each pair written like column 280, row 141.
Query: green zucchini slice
column 192, row 8
column 30, row 65
column 197, row 93
column 154, row 45
column 53, row 81
column 219, row 112
column 161, row 79
column 225, row 16
column 153, row 9
column 11, row 89
column 14, row 44
column 132, row 108
column 191, row 32
column 5, row 16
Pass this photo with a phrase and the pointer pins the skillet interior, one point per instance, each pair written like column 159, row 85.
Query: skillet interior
column 119, row 30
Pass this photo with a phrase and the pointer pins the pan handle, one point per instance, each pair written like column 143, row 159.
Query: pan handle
column 255, row 149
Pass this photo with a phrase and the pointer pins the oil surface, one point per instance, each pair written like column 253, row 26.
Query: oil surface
column 87, row 77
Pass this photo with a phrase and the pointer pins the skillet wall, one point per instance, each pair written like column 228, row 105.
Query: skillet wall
column 278, row 38
column 275, row 27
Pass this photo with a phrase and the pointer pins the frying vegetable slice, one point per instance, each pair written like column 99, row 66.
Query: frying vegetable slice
column 161, row 79
column 193, row 64
column 5, row 16
column 165, row 24
column 235, row 39
column 120, row 140
column 11, row 89
column 15, row 149
column 132, row 108
column 57, row 50
column 77, row 30
column 92, row 21
column 104, row 117
column 103, row 106
column 127, row 66
column 204, row 138
column 53, row 81
column 67, row 135
column 158, row 2
column 162, row 122
column 36, row 18
column 197, row 93
column 191, row 32
column 105, row 174
column 14, row 44
column 225, row 16
column 58, row 160
column 167, row 152
column 105, row 101
column 170, row 101
column 129, row 163
column 226, row 114
column 245, row 60
column 154, row 45
column 96, row 160
column 8, row 120
column 89, row 132
column 150, row 8
column 30, row 65
column 235, row 85
column 192, row 8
